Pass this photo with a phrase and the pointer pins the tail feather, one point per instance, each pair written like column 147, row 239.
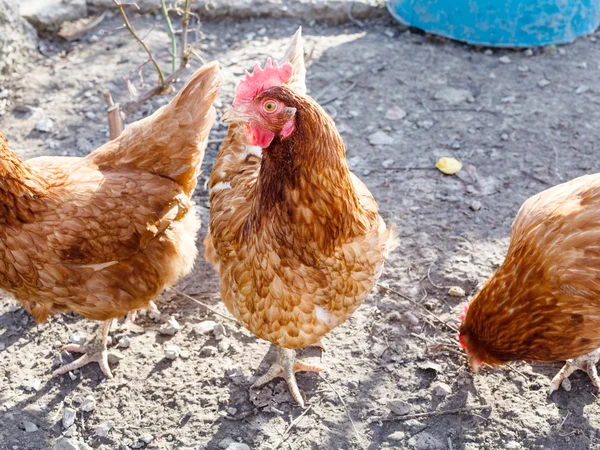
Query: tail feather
column 295, row 55
column 170, row 142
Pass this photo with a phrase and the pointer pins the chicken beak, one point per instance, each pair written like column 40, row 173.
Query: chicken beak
column 475, row 364
column 235, row 114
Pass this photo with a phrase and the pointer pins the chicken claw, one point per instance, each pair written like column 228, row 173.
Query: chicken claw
column 286, row 368
column 131, row 316
column 95, row 351
column 587, row 363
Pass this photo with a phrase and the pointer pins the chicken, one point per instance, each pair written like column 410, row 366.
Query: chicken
column 543, row 303
column 294, row 235
column 106, row 234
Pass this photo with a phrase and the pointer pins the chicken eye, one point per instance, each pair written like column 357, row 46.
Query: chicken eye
column 270, row 107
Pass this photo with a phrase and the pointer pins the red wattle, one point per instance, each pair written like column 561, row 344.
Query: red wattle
column 258, row 136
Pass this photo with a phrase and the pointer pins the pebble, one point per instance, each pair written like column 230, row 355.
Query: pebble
column 225, row 442
column 566, row 384
column 488, row 52
column 441, row 389
column 581, row 65
column 224, row 346
column 543, row 83
column 88, row 404
column 146, row 438
column 426, row 441
column 209, row 350
column 93, row 38
column 509, row 99
column 528, row 52
column 45, row 125
column 504, row 60
column 411, row 318
column 475, row 205
column 114, row 357
column 30, row 427
column 380, row 138
column 414, row 425
column 504, row 137
column 397, row 436
column 582, row 89
column 456, row 291
column 399, row 407
column 512, row 445
column 104, row 428
column 395, row 113
column 387, row 163
column 171, row 328
column 154, row 315
column 523, row 69
column 429, row 365
column 454, row 96
column 205, row 327
column 172, row 351
column 427, row 124
column 78, row 337
column 4, row 94
column 69, row 417
column 237, row 446
column 90, row 115
column 124, row 342
column 64, row 443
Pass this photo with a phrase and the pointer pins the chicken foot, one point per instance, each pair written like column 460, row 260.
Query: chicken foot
column 95, row 351
column 587, row 363
column 286, row 368
column 131, row 315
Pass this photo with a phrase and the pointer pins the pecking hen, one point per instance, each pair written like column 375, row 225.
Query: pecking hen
column 294, row 235
column 543, row 303
column 105, row 234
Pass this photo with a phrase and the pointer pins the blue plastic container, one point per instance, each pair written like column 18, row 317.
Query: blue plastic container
column 501, row 23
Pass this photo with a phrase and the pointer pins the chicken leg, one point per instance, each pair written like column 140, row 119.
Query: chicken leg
column 131, row 316
column 286, row 368
column 95, row 351
column 587, row 363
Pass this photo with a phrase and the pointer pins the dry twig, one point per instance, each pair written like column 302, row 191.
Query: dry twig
column 295, row 422
column 467, row 410
column 214, row 311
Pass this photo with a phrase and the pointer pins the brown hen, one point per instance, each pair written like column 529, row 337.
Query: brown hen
column 295, row 236
column 543, row 303
column 106, row 234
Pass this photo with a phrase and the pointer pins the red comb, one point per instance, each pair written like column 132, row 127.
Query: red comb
column 461, row 340
column 261, row 79
column 464, row 313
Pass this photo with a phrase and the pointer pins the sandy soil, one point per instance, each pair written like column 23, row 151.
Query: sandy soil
column 518, row 135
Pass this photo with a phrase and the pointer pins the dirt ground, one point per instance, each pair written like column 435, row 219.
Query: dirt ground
column 522, row 134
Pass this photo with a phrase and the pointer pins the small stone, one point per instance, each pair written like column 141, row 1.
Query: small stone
column 523, row 68
column 69, row 417
column 205, row 327
column 154, row 315
column 114, row 357
column 225, row 442
column 429, row 365
column 237, row 446
column 354, row 162
column 426, row 124
column 399, row 407
column 78, row 337
column 454, row 96
column 581, row 65
column 44, row 126
column 64, row 443
column 171, row 328
column 93, row 38
column 411, row 318
column 414, row 425
column 582, row 89
column 88, row 404
column 224, row 346
column 441, row 389
column 380, row 138
column 2, row 346
column 30, row 427
column 456, row 291
column 90, row 115
column 387, row 163
column 397, row 436
column 528, row 52
column 146, row 438
column 543, row 83
column 488, row 52
column 504, row 137
column 209, row 350
column 172, row 351
column 124, row 342
column 426, row 441
column 566, row 384
column 4, row 94
column 395, row 113
column 512, row 445
column 504, row 60
column 104, row 428
column 475, row 205
column 509, row 99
